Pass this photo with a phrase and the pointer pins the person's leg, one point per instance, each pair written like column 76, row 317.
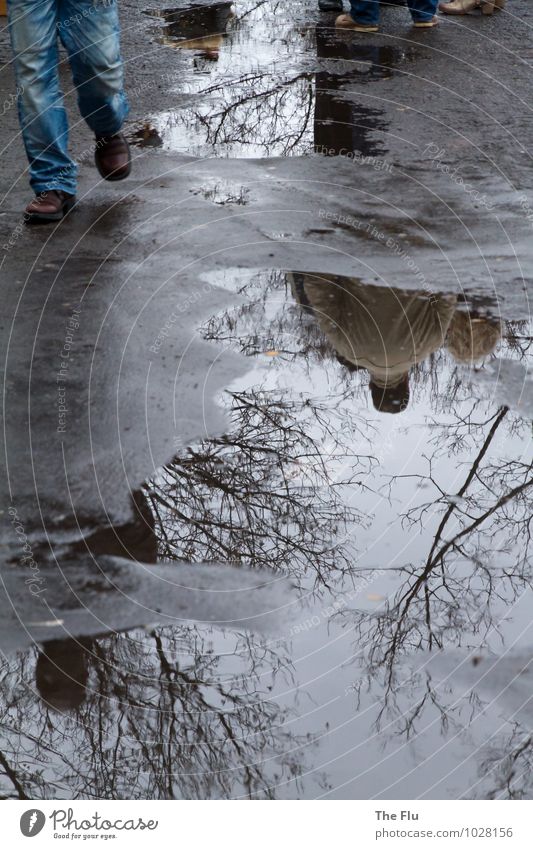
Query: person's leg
column 89, row 30
column 43, row 120
column 365, row 11
column 422, row 11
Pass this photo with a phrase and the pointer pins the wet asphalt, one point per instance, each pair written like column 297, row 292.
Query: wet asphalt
column 278, row 143
column 268, row 141
column 409, row 107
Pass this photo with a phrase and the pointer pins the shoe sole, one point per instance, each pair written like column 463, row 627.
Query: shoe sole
column 357, row 28
column 49, row 217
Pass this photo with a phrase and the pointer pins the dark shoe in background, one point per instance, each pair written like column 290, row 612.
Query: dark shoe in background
column 49, row 206
column 330, row 5
column 112, row 156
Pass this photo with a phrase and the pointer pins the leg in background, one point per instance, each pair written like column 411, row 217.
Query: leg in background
column 365, row 11
column 422, row 10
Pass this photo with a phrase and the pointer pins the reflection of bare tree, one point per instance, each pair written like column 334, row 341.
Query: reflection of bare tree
column 270, row 321
column 258, row 112
column 271, row 492
column 213, row 503
column 161, row 719
column 262, row 494
column 248, row 104
column 171, row 714
column 508, row 765
column 519, row 338
column 479, row 557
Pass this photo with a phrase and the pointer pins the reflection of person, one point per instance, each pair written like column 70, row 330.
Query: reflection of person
column 89, row 32
column 208, row 45
column 62, row 666
column 62, row 673
column 341, row 126
column 199, row 28
column 364, row 15
column 383, row 330
column 135, row 540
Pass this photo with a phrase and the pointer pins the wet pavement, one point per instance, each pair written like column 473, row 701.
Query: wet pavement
column 267, row 422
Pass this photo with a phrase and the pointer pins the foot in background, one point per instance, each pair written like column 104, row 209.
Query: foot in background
column 426, row 24
column 347, row 22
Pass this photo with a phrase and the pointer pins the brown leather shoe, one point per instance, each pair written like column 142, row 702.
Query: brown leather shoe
column 49, row 206
column 112, row 156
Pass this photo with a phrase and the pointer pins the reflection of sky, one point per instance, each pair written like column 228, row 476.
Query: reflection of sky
column 297, row 708
column 270, row 86
column 254, row 95
column 322, row 652
column 400, row 443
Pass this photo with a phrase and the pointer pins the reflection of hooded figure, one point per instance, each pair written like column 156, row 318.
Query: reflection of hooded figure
column 383, row 330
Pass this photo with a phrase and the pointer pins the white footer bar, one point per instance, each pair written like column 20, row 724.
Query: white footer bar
column 269, row 825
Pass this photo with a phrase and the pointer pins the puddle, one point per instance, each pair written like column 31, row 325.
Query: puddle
column 223, row 193
column 262, row 84
column 369, row 461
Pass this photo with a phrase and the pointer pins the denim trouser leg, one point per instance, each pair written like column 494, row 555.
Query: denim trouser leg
column 43, row 121
column 365, row 11
column 90, row 32
column 423, row 10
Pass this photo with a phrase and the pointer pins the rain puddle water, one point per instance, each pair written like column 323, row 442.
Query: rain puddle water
column 262, row 83
column 371, row 463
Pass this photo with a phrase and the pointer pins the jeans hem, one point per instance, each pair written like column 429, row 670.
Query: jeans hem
column 56, row 187
column 109, row 131
column 362, row 20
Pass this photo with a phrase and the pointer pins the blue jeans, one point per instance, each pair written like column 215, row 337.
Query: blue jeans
column 367, row 11
column 89, row 31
